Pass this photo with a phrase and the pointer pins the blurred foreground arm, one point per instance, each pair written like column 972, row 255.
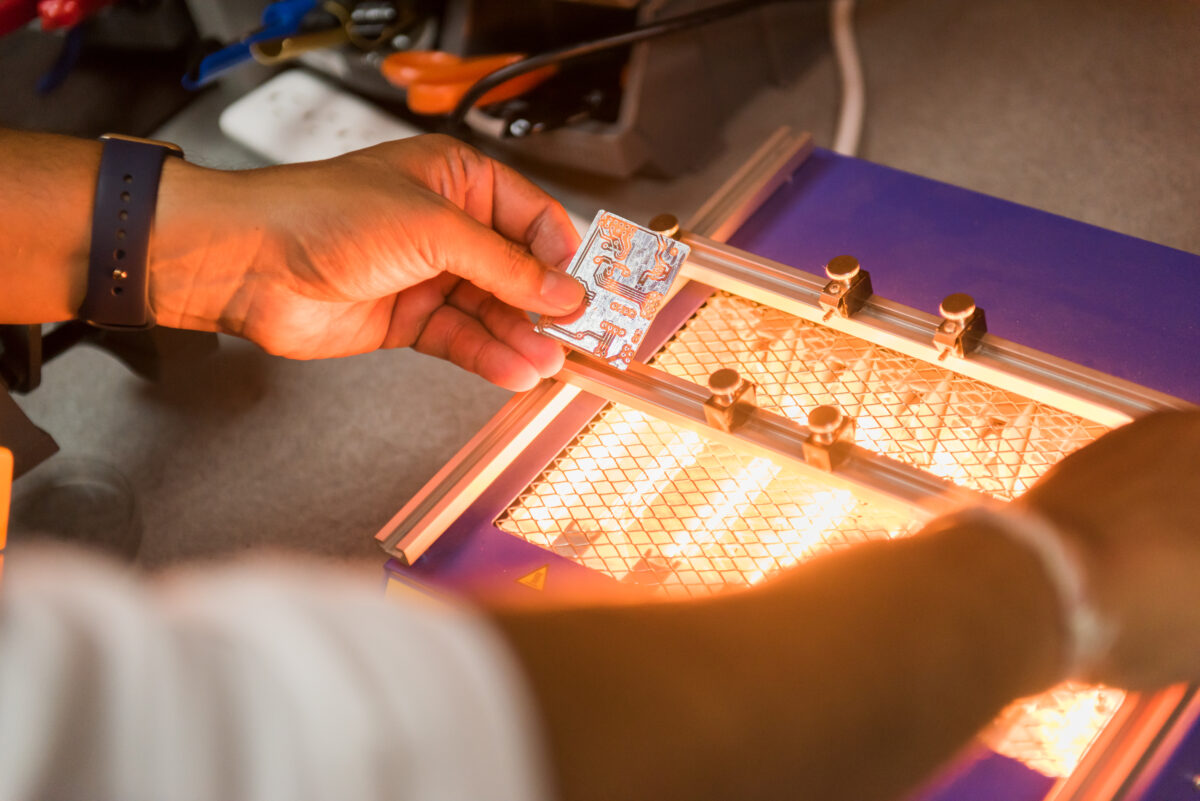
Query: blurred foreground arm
column 267, row 680
column 890, row 656
column 423, row 243
column 854, row 675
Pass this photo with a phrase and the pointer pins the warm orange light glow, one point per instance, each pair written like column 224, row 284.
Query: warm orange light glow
column 974, row 434
column 649, row 504
column 1050, row 732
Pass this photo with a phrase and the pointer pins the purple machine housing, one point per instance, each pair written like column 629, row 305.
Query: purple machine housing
column 1120, row 316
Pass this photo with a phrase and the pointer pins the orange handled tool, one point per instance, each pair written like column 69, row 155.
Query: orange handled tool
column 435, row 80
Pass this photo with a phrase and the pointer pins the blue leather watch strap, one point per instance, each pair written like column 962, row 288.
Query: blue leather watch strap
column 122, row 220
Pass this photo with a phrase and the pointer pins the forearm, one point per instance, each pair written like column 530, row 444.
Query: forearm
column 891, row 656
column 209, row 231
column 421, row 243
column 45, row 224
column 200, row 245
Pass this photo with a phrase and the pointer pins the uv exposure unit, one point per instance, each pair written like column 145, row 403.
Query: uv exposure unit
column 793, row 398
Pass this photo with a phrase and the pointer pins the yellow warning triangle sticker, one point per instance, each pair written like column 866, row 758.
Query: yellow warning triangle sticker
column 535, row 580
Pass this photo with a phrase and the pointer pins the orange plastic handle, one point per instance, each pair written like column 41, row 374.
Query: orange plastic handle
column 436, row 81
column 404, row 69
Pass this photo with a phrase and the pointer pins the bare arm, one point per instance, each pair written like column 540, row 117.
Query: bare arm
column 855, row 675
column 850, row 678
column 46, row 188
column 424, row 243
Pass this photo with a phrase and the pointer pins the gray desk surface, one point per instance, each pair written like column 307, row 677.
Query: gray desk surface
column 1086, row 108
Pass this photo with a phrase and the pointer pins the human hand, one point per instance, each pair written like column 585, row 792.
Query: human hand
column 1131, row 503
column 422, row 243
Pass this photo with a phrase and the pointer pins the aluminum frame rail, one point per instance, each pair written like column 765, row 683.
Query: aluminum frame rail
column 682, row 403
column 1038, row 376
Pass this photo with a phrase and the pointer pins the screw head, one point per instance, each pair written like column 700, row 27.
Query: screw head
column 724, row 382
column 825, row 419
column 119, row 275
column 958, row 306
column 520, row 127
column 842, row 268
column 665, row 224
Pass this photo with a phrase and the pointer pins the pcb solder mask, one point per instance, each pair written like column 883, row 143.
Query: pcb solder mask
column 626, row 271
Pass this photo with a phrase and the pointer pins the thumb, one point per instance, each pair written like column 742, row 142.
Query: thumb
column 510, row 272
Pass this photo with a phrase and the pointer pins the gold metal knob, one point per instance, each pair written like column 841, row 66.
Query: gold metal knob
column 842, row 268
column 665, row 224
column 724, row 384
column 825, row 420
column 957, row 307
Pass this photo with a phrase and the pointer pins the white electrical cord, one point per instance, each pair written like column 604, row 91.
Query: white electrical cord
column 850, row 117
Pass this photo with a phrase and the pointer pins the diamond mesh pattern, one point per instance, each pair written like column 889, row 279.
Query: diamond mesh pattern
column 653, row 505
column 1050, row 732
column 958, row 428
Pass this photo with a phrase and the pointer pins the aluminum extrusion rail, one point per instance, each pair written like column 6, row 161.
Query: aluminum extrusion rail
column 1039, row 376
column 779, row 438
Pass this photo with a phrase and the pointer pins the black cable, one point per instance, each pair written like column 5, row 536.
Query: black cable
column 571, row 52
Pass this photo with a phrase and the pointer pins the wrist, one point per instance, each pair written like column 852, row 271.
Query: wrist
column 123, row 212
column 1020, row 603
column 205, row 237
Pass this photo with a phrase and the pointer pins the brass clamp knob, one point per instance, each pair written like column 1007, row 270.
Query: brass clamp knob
column 963, row 325
column 665, row 224
column 731, row 400
column 848, row 289
column 828, row 429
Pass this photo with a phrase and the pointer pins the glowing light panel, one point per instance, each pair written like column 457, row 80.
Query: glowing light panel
column 653, row 505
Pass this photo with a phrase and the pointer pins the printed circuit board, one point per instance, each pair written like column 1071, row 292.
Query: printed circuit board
column 626, row 271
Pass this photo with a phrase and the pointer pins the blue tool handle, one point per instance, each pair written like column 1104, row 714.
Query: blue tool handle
column 279, row 19
column 287, row 12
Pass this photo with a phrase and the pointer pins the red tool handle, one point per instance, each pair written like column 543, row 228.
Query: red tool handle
column 57, row 14
column 15, row 14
